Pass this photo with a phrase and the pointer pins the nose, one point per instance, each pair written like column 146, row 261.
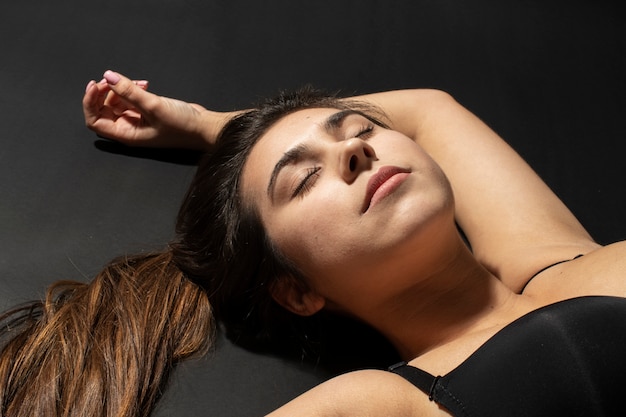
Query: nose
column 355, row 156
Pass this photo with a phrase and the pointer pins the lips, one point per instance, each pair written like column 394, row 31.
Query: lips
column 382, row 183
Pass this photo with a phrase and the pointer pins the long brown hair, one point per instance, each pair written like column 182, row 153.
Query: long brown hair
column 103, row 348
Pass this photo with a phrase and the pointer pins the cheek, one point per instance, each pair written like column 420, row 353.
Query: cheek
column 315, row 235
column 298, row 235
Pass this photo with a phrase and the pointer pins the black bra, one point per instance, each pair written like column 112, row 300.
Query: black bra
column 565, row 359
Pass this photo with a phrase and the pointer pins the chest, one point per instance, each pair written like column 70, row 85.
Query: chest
column 602, row 272
column 565, row 359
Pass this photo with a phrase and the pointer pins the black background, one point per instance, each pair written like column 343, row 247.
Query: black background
column 549, row 76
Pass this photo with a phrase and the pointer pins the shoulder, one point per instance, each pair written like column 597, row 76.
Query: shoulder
column 362, row 393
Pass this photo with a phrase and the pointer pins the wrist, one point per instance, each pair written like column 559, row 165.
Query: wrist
column 209, row 126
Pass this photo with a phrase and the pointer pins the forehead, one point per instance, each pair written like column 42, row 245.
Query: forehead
column 292, row 129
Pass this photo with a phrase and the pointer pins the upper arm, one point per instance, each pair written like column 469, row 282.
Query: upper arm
column 368, row 393
column 513, row 221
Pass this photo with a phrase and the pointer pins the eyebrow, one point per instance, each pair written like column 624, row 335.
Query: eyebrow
column 291, row 157
column 295, row 154
column 335, row 120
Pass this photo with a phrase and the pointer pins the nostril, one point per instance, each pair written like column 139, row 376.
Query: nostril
column 369, row 151
column 353, row 161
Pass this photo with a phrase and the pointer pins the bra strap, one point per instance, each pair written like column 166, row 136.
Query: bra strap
column 548, row 267
column 421, row 379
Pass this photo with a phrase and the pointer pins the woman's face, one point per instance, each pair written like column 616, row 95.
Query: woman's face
column 355, row 206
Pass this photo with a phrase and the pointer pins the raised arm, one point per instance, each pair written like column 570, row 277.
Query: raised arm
column 122, row 110
column 514, row 222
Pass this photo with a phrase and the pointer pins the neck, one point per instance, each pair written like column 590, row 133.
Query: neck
column 457, row 299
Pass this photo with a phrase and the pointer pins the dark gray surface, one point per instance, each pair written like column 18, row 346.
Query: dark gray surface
column 549, row 76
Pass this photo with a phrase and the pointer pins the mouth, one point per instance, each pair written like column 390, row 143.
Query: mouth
column 383, row 183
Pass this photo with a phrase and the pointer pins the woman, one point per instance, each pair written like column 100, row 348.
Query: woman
column 363, row 221
column 312, row 204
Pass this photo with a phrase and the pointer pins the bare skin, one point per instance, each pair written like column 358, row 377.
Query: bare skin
column 122, row 110
column 459, row 299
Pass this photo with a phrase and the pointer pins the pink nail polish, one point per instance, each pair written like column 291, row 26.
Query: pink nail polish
column 89, row 85
column 111, row 77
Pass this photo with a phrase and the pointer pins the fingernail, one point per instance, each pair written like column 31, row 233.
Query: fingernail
column 142, row 83
column 89, row 85
column 111, row 77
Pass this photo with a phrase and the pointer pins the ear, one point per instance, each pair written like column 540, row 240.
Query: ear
column 301, row 302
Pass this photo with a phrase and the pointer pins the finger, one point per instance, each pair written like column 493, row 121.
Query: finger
column 89, row 85
column 135, row 95
column 120, row 105
column 93, row 101
column 143, row 84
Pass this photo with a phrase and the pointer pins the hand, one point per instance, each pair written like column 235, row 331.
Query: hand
column 122, row 110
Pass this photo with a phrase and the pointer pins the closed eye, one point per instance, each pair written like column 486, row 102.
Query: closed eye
column 307, row 182
column 365, row 132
